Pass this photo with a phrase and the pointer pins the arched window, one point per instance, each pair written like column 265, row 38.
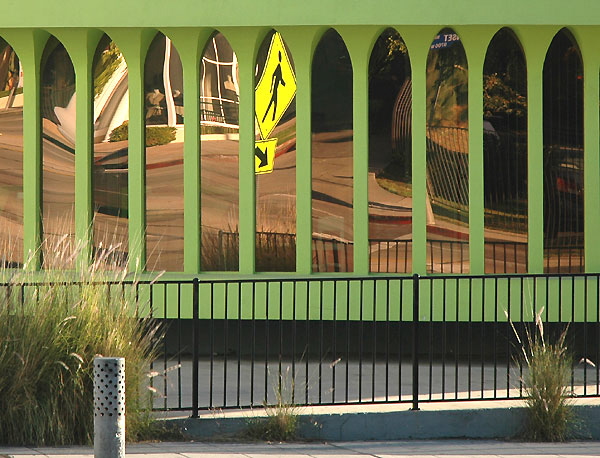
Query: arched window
column 447, row 155
column 11, row 157
column 390, row 155
column 58, row 155
column 219, row 183
column 275, row 156
column 505, row 155
column 332, row 164
column 563, row 156
column 111, row 152
column 164, row 112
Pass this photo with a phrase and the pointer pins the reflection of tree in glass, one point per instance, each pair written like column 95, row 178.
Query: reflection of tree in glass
column 505, row 136
column 447, row 78
column 388, row 54
column 105, row 64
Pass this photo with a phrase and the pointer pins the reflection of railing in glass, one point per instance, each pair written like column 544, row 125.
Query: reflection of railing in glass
column 220, row 112
column 332, row 255
column 448, row 168
column 448, row 256
column 274, row 251
column 220, row 251
column 390, row 255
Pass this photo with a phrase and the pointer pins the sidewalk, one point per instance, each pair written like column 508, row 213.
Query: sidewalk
column 420, row 449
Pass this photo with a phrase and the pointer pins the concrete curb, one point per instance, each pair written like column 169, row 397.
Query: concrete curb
column 451, row 423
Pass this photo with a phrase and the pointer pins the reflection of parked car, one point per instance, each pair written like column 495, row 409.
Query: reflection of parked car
column 563, row 181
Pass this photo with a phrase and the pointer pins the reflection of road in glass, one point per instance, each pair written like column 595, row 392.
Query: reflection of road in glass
column 332, row 192
column 164, row 207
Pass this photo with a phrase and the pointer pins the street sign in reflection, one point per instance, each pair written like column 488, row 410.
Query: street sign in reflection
column 275, row 89
column 264, row 155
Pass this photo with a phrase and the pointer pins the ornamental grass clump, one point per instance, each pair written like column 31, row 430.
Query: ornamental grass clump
column 550, row 413
column 281, row 421
column 52, row 325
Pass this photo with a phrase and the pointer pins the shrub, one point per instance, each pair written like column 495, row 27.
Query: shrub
column 155, row 135
column 281, row 422
column 50, row 331
column 550, row 414
column 279, row 425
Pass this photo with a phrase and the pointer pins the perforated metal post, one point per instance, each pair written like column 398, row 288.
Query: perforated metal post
column 109, row 407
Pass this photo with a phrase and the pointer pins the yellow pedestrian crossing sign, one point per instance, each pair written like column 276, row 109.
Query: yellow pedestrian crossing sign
column 275, row 89
column 264, row 155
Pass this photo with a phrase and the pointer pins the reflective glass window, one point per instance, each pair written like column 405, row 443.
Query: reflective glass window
column 57, row 107
column 447, row 197
column 332, row 169
column 505, row 155
column 111, row 117
column 563, row 156
column 11, row 157
column 390, row 150
column 275, row 156
column 164, row 113
column 219, row 183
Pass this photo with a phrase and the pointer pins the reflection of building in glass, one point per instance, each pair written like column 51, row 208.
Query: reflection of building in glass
column 219, row 97
column 163, row 86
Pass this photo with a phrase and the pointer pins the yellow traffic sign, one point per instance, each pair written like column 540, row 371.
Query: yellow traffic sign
column 264, row 155
column 275, row 89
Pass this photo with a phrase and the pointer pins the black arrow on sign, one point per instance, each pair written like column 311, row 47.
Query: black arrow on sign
column 262, row 155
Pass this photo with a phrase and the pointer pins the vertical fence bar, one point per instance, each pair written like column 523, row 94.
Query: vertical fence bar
column 334, row 343
column 415, row 344
column 444, row 334
column 239, row 342
column 253, row 344
column 195, row 337
column 294, row 296
column 321, row 337
column 374, row 349
column 179, row 334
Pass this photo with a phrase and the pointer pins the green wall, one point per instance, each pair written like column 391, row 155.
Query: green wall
column 189, row 24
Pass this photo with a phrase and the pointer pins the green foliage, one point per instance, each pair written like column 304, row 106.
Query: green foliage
column 500, row 98
column 550, row 415
column 120, row 133
column 162, row 135
column 50, row 331
column 105, row 65
column 279, row 425
column 281, row 422
column 155, row 135
column 389, row 49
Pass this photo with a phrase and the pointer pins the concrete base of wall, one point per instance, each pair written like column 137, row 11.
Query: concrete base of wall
column 472, row 420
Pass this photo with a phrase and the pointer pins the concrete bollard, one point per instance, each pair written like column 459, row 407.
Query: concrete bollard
column 109, row 407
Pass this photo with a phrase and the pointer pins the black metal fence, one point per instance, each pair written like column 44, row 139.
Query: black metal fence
column 326, row 341
column 235, row 343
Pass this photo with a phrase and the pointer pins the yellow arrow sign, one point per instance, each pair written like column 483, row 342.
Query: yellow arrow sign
column 275, row 89
column 264, row 155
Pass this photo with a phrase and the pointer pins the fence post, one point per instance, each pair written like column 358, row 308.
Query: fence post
column 415, row 344
column 109, row 407
column 195, row 337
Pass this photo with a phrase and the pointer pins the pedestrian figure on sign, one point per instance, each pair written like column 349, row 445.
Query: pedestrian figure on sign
column 276, row 80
